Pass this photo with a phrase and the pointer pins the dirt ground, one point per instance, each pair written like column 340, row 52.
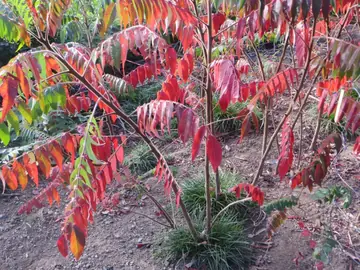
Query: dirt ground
column 29, row 242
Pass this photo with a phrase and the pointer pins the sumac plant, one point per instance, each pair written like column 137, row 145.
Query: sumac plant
column 211, row 60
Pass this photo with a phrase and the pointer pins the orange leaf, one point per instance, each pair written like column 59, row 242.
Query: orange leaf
column 106, row 19
column 9, row 177
column 24, row 83
column 77, row 242
column 197, row 141
column 31, row 167
column 43, row 161
column 56, row 195
column 55, row 151
column 245, row 127
column 214, row 151
column 8, row 91
column 20, row 173
column 51, row 65
column 69, row 145
column 62, row 245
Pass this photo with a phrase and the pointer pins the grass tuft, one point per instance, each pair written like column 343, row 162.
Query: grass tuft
column 227, row 247
column 222, row 125
column 140, row 160
column 194, row 196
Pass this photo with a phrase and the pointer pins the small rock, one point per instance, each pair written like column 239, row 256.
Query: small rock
column 117, row 235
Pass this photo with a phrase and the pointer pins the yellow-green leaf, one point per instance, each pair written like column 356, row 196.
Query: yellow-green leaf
column 13, row 121
column 25, row 112
column 4, row 134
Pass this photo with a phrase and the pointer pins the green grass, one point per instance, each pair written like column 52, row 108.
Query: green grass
column 141, row 95
column 227, row 247
column 222, row 125
column 194, row 196
column 140, row 160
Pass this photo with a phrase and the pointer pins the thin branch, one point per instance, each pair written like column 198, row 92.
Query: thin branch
column 229, row 205
column 208, row 120
column 226, row 28
column 158, row 222
column 283, row 53
column 287, row 113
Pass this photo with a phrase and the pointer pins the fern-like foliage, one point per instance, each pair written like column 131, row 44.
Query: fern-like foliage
column 280, row 205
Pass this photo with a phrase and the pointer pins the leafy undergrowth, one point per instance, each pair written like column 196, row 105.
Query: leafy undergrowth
column 227, row 246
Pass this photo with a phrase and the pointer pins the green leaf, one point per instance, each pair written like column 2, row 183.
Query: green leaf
column 13, row 121
column 85, row 176
column 25, row 112
column 55, row 96
column 12, row 28
column 90, row 153
column 4, row 134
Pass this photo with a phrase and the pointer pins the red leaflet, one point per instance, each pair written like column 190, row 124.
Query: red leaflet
column 183, row 69
column 187, row 125
column 171, row 60
column 214, row 152
column 353, row 112
column 199, row 135
column 226, row 81
column 31, row 168
column 62, row 245
column 333, row 103
column 171, row 90
column 8, row 91
column 189, row 58
column 286, row 155
column 256, row 194
column 302, row 41
column 356, row 149
column 120, row 154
